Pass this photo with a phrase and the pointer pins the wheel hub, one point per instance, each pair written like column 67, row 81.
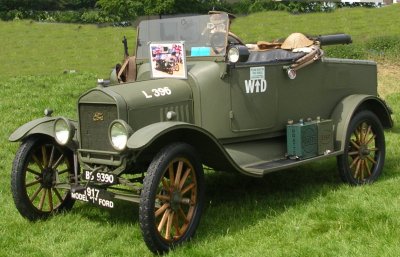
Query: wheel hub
column 48, row 176
column 176, row 199
column 364, row 151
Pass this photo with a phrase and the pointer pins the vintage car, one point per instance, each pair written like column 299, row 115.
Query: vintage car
column 144, row 136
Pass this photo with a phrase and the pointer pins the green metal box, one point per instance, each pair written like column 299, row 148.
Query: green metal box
column 302, row 140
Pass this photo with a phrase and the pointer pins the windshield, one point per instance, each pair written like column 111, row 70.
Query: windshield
column 204, row 35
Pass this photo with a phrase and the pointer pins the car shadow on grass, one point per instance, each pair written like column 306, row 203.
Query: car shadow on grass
column 123, row 213
column 235, row 201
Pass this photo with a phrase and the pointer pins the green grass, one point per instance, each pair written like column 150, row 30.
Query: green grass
column 304, row 211
column 42, row 48
column 361, row 23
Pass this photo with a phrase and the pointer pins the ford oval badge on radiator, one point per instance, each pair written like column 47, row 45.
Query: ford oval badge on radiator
column 98, row 116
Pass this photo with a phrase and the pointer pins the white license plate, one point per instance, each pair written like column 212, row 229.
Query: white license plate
column 100, row 177
column 96, row 196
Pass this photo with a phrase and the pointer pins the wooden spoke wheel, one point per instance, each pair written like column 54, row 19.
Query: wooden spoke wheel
column 172, row 198
column 40, row 164
column 364, row 154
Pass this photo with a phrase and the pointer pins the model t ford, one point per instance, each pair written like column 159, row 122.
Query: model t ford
column 145, row 136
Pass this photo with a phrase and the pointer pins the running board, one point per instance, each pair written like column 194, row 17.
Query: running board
column 262, row 168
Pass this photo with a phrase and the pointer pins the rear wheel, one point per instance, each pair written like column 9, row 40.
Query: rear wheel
column 172, row 198
column 364, row 153
column 39, row 165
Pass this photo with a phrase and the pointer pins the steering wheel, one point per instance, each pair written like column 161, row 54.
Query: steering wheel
column 217, row 40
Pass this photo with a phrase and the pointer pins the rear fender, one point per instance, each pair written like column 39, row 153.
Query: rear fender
column 345, row 110
column 41, row 126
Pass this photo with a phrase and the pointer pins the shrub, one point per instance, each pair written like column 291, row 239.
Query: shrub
column 121, row 9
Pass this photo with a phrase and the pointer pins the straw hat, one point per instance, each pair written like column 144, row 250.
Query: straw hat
column 296, row 40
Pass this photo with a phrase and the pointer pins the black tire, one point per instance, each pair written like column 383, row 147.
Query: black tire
column 169, row 213
column 39, row 164
column 364, row 153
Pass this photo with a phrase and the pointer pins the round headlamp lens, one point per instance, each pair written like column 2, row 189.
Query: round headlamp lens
column 62, row 131
column 233, row 55
column 119, row 136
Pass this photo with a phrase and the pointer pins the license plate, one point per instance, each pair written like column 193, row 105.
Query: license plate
column 101, row 177
column 96, row 196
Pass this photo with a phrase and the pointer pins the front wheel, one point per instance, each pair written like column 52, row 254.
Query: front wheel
column 39, row 166
column 364, row 153
column 172, row 198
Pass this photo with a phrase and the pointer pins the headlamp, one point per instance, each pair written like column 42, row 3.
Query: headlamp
column 119, row 133
column 63, row 130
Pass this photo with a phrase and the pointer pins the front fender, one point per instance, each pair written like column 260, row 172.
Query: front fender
column 147, row 135
column 344, row 111
column 44, row 126
column 148, row 140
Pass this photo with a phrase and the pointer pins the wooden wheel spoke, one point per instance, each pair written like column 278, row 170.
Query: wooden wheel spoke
column 38, row 163
column 50, row 199
column 51, row 156
column 356, row 134
column 33, row 172
column 58, row 162
column 184, row 178
column 354, row 153
column 33, row 183
column 183, row 215
column 178, row 173
column 366, row 134
column 369, row 140
column 354, row 161
column 163, row 197
column 374, row 149
column 362, row 169
column 163, row 220
column 372, row 160
column 357, row 169
column 171, row 173
column 354, row 144
column 162, row 209
column 35, row 194
column 42, row 199
column 44, row 156
column 189, row 187
column 58, row 194
column 169, row 225
column 63, row 171
column 176, row 225
column 368, row 168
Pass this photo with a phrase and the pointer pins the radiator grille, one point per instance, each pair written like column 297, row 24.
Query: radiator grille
column 94, row 121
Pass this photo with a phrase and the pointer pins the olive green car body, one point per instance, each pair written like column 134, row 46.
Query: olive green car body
column 231, row 129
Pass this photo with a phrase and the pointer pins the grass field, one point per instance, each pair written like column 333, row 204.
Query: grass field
column 303, row 211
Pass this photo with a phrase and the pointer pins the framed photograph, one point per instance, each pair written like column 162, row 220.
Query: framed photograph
column 167, row 60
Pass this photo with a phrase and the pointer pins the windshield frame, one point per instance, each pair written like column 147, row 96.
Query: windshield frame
column 198, row 30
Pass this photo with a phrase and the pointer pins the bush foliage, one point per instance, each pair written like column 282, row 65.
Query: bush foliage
column 98, row 11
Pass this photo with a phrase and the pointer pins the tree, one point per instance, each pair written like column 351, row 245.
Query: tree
column 124, row 9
